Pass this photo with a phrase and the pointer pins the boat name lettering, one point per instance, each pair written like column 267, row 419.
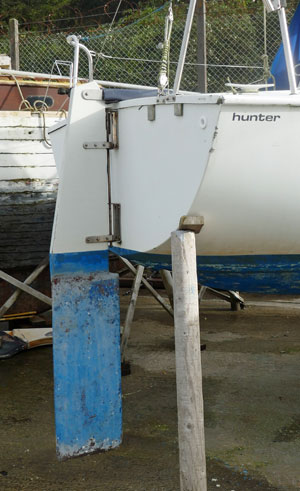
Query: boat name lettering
column 255, row 117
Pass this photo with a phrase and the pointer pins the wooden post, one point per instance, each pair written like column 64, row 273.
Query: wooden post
column 202, row 292
column 168, row 284
column 188, row 363
column 14, row 43
column 130, row 312
column 201, row 45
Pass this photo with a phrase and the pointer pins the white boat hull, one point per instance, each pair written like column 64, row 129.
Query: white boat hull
column 240, row 172
column 241, row 176
column 231, row 159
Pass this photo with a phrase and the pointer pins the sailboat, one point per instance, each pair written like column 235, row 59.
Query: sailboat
column 133, row 162
column 134, row 165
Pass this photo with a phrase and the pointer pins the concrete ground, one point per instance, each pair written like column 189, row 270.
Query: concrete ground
column 251, row 383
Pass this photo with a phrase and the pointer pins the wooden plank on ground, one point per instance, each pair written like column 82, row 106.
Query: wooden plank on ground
column 30, row 279
column 27, row 289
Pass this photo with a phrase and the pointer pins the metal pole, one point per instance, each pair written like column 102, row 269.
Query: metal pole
column 74, row 41
column 14, row 43
column 90, row 60
column 287, row 50
column 184, row 45
column 201, row 45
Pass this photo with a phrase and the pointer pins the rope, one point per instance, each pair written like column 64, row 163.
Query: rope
column 267, row 73
column 62, row 111
column 266, row 67
column 42, row 114
column 163, row 79
column 43, row 106
column 23, row 101
column 29, row 107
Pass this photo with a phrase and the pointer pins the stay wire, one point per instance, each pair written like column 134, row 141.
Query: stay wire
column 108, row 32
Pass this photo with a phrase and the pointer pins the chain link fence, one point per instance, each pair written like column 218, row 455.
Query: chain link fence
column 132, row 53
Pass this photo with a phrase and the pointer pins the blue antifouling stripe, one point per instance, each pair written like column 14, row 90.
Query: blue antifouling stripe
column 75, row 262
column 264, row 273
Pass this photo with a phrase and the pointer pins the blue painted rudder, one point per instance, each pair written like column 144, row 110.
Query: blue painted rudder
column 86, row 351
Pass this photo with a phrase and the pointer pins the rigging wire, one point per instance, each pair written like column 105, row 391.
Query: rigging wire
column 108, row 32
column 149, row 60
column 141, row 19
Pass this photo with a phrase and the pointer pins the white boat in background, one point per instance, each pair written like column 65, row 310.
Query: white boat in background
column 133, row 163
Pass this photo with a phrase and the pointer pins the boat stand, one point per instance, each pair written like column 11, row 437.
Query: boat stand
column 24, row 287
column 235, row 300
column 138, row 280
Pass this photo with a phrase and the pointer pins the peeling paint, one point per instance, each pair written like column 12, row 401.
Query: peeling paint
column 86, row 349
column 66, row 451
column 270, row 274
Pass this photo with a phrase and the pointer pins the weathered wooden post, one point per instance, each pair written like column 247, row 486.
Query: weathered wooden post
column 168, row 284
column 188, row 357
column 14, row 43
column 131, row 309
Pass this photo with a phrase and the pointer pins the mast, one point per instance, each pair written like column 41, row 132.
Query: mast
column 271, row 6
column 184, row 45
column 279, row 5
